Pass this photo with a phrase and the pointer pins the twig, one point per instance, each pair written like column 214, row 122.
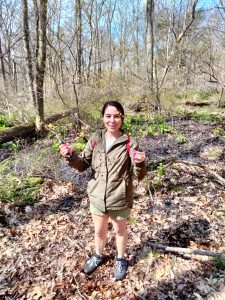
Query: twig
column 83, row 295
column 187, row 250
column 219, row 179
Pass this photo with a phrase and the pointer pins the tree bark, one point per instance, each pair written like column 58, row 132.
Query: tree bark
column 3, row 66
column 79, row 39
column 26, row 32
column 150, row 42
column 41, row 59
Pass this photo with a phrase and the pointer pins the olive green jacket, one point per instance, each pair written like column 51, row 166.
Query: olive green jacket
column 111, row 186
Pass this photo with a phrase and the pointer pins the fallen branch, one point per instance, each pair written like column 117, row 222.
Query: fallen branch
column 187, row 250
column 212, row 173
column 218, row 178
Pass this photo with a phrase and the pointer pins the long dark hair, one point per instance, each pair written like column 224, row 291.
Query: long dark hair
column 116, row 104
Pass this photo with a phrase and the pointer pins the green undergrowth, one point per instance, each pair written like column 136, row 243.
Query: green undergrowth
column 205, row 116
column 5, row 122
column 13, row 146
column 206, row 94
column 202, row 115
column 14, row 188
column 219, row 263
column 22, row 174
column 138, row 123
column 219, row 132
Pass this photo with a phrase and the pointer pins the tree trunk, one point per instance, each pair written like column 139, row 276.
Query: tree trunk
column 3, row 66
column 90, row 17
column 79, row 39
column 111, row 47
column 26, row 32
column 41, row 59
column 150, row 43
column 15, row 75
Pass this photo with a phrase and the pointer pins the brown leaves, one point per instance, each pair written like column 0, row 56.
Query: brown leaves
column 42, row 254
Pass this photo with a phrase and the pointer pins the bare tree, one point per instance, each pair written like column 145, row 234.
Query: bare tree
column 27, row 39
column 41, row 58
column 36, row 64
column 79, row 38
column 150, row 42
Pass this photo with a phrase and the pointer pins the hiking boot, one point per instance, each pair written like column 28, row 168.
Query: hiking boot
column 120, row 266
column 93, row 263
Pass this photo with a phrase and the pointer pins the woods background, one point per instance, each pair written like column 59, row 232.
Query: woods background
column 70, row 53
column 165, row 62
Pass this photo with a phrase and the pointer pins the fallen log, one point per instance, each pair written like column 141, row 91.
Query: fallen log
column 12, row 133
column 194, row 103
column 186, row 250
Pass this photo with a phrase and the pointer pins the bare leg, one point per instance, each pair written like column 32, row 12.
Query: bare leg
column 101, row 226
column 121, row 236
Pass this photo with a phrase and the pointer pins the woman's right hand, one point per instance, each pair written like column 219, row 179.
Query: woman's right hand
column 65, row 150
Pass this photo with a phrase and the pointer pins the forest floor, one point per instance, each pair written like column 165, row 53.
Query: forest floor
column 181, row 204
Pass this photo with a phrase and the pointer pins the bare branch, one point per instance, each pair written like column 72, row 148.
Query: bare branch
column 11, row 46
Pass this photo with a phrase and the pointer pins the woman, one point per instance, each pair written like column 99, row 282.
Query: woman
column 113, row 157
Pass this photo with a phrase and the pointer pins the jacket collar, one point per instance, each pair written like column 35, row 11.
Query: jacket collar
column 120, row 139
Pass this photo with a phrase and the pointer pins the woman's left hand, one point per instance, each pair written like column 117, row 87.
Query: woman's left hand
column 138, row 156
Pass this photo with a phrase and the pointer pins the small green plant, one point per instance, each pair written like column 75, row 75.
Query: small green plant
column 5, row 122
column 81, row 139
column 219, row 263
column 134, row 124
column 127, row 124
column 219, row 132
column 59, row 130
column 150, row 131
column 78, row 147
column 55, row 145
column 164, row 128
column 160, row 171
column 14, row 146
column 181, row 139
column 161, row 127
column 158, row 126
column 33, row 181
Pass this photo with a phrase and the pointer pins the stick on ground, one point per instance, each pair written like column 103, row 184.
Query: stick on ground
column 187, row 250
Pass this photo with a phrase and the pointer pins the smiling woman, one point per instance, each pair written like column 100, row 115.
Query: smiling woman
column 113, row 115
column 110, row 188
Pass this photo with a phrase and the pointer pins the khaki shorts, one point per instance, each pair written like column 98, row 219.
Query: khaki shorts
column 114, row 214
